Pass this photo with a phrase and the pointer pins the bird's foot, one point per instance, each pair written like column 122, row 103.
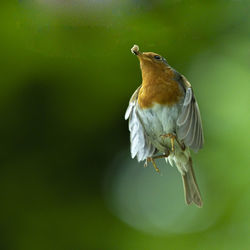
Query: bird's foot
column 151, row 159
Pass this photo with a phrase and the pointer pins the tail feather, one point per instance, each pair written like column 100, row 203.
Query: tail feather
column 191, row 190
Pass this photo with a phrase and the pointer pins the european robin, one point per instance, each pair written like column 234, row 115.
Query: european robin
column 164, row 120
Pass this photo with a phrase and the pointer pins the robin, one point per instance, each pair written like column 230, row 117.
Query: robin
column 164, row 120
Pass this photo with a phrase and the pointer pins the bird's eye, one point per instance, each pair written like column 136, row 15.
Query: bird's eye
column 157, row 57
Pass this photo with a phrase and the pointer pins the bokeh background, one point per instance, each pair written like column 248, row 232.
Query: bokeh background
column 67, row 73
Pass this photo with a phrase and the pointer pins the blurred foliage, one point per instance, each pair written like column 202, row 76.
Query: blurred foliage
column 66, row 77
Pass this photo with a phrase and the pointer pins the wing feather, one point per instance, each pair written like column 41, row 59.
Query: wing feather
column 140, row 143
column 184, row 115
column 192, row 129
column 189, row 124
column 132, row 103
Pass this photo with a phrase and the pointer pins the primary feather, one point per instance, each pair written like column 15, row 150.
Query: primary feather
column 189, row 125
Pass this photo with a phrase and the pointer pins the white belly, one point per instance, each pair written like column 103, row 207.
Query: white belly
column 157, row 121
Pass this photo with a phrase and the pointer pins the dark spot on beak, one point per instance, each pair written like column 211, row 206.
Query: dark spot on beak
column 136, row 52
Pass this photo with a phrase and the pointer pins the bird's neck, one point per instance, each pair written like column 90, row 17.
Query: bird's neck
column 152, row 75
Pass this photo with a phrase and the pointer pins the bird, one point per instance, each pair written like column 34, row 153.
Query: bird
column 164, row 120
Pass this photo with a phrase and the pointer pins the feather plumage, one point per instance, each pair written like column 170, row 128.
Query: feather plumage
column 139, row 141
column 189, row 125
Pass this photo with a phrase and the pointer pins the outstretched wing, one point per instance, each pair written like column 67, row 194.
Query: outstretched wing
column 140, row 144
column 189, row 124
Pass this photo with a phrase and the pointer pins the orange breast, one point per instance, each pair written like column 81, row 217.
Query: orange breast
column 159, row 89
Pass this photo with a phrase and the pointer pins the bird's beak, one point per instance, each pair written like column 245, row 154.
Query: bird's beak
column 135, row 50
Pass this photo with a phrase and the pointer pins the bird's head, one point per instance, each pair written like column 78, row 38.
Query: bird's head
column 149, row 59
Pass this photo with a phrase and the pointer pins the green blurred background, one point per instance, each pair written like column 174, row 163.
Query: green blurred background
column 67, row 73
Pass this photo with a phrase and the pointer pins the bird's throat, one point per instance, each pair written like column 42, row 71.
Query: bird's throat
column 158, row 86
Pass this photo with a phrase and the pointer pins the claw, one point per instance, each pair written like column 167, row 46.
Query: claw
column 151, row 159
column 154, row 164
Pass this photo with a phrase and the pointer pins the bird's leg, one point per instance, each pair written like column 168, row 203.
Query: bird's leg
column 151, row 159
column 173, row 138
